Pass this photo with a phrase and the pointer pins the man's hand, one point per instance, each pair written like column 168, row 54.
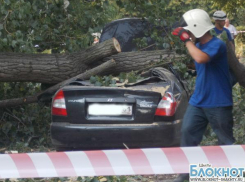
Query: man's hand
column 182, row 33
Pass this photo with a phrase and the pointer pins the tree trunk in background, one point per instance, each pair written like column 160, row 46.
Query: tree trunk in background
column 52, row 68
column 237, row 67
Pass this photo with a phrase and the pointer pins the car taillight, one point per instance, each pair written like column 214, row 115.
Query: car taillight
column 167, row 105
column 59, row 105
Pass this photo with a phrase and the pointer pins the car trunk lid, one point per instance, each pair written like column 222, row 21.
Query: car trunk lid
column 136, row 104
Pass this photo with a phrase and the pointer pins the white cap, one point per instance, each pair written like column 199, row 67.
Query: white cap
column 197, row 22
column 219, row 15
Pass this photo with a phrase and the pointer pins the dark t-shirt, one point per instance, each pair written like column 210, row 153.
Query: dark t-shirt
column 213, row 88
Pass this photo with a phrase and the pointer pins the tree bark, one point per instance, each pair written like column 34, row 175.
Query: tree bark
column 237, row 67
column 19, row 101
column 52, row 68
column 132, row 61
column 50, row 91
column 86, row 75
column 100, row 51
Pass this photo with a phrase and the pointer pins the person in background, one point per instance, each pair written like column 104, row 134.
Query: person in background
column 221, row 32
column 224, row 34
column 211, row 102
column 96, row 40
column 232, row 30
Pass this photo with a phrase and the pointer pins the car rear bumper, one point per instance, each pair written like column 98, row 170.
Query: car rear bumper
column 101, row 136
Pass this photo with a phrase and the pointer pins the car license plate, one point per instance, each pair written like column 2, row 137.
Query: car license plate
column 109, row 109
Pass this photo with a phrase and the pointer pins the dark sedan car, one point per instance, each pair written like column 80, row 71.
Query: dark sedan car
column 147, row 113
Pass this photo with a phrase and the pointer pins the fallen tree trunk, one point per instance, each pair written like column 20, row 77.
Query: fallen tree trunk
column 237, row 67
column 86, row 75
column 132, row 61
column 47, row 94
column 52, row 68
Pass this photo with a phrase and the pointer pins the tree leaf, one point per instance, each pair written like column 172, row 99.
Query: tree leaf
column 98, row 84
column 7, row 2
column 56, row 31
column 14, row 42
column 92, row 79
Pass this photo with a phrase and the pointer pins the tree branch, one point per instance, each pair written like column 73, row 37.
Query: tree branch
column 50, row 91
column 237, row 67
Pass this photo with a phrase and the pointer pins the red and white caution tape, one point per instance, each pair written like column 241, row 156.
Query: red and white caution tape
column 118, row 162
column 240, row 31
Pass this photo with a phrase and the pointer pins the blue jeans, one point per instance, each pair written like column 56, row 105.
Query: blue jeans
column 196, row 120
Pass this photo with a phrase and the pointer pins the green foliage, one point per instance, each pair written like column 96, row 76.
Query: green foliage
column 103, row 81
column 140, row 42
column 24, row 128
column 54, row 25
column 11, row 90
column 51, row 24
column 239, row 113
column 241, row 36
column 240, row 44
column 230, row 6
column 133, row 77
column 111, row 81
column 238, row 18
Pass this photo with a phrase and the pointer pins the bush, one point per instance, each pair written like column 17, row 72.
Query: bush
column 25, row 127
column 240, row 43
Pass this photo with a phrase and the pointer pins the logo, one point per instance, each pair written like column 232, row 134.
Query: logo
column 185, row 35
column 79, row 100
column 205, row 172
column 146, row 104
column 109, row 100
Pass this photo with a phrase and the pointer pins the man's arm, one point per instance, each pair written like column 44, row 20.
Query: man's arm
column 197, row 54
